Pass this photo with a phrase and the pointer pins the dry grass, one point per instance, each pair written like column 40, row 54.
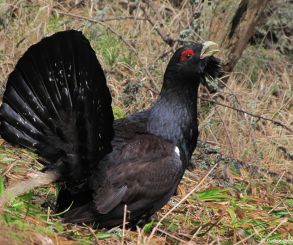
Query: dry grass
column 232, row 204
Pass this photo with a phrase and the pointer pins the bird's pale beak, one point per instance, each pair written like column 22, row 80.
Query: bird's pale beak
column 209, row 48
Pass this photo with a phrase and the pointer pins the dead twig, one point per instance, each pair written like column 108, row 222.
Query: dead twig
column 102, row 19
column 167, row 39
column 275, row 122
column 226, row 131
column 286, row 152
column 172, row 236
column 93, row 233
column 124, row 224
column 210, row 225
column 264, row 240
column 207, row 150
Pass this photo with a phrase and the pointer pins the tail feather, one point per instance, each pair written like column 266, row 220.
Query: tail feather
column 13, row 118
column 57, row 103
column 13, row 135
column 26, row 117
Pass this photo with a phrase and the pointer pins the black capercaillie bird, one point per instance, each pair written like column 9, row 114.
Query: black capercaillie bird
column 57, row 104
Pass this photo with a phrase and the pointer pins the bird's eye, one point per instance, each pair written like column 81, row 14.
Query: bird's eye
column 186, row 54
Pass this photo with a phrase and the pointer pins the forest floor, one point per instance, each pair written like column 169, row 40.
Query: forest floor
column 239, row 190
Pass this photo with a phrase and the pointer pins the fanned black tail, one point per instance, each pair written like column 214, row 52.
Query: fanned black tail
column 57, row 103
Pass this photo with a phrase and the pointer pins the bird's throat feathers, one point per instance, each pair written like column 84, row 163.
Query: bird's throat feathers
column 174, row 115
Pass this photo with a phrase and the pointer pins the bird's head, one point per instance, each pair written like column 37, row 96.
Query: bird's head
column 193, row 63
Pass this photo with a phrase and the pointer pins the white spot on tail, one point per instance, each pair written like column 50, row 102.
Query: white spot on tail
column 177, row 151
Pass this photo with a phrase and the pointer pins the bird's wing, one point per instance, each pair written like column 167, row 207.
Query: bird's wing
column 57, row 103
column 149, row 170
column 146, row 177
column 125, row 129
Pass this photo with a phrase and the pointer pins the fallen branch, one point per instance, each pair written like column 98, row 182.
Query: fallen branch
column 277, row 123
column 207, row 150
column 288, row 154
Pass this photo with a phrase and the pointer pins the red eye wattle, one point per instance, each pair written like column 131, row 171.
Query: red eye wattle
column 186, row 54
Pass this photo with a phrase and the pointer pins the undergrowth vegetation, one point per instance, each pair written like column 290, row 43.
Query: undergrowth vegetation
column 239, row 190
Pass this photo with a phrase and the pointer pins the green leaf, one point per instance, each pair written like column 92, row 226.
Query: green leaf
column 118, row 112
column 1, row 185
column 6, row 159
column 213, row 195
column 148, row 227
column 103, row 235
column 233, row 215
